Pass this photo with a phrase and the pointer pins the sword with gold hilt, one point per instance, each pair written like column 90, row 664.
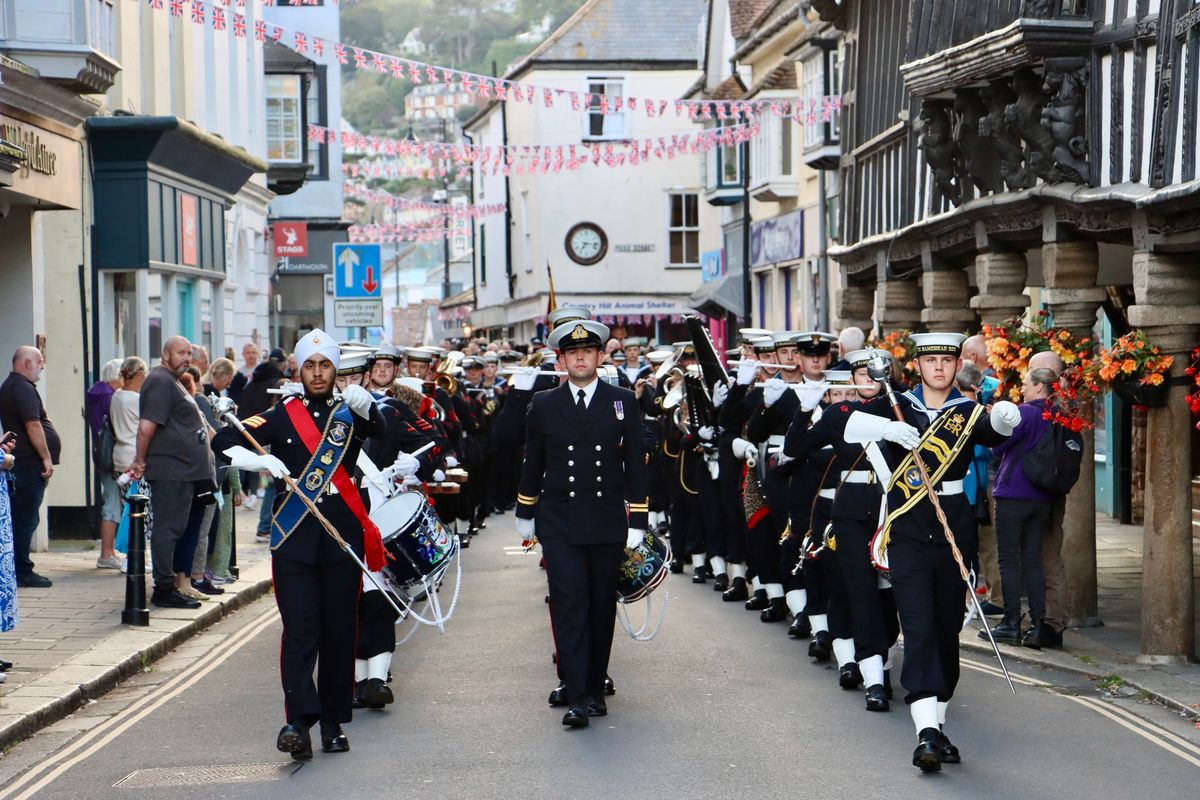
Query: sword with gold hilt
column 879, row 367
column 223, row 407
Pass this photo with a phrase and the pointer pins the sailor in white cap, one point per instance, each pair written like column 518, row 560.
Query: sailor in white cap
column 384, row 363
column 929, row 590
column 314, row 437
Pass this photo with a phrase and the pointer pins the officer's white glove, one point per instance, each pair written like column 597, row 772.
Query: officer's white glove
column 439, row 476
column 706, row 433
column 742, row 447
column 811, row 394
column 525, row 528
column 523, row 378
column 720, row 394
column 409, row 483
column 451, row 462
column 634, row 538
column 292, row 388
column 241, row 458
column 773, row 390
column 405, row 465
column 902, row 434
column 1005, row 417
column 359, row 400
column 746, row 372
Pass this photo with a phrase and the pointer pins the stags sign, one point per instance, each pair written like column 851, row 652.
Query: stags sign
column 291, row 239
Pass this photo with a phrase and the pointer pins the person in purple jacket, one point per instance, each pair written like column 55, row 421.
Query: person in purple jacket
column 1022, row 515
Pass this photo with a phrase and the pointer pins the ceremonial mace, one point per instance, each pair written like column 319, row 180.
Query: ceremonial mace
column 223, row 406
column 879, row 367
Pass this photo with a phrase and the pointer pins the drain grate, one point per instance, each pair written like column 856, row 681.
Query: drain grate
column 199, row 776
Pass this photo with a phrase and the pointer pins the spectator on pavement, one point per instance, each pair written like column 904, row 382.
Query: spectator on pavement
column 191, row 553
column 250, row 357
column 97, row 411
column 1023, row 513
column 8, row 572
column 123, row 413
column 256, row 399
column 1052, row 561
column 200, row 359
column 173, row 454
column 978, row 488
column 36, row 452
column 220, row 376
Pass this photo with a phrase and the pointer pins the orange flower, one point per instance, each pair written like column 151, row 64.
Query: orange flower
column 1153, row 379
column 1064, row 335
column 1128, row 366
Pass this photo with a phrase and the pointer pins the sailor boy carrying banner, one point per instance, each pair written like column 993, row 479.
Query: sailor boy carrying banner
column 315, row 437
column 928, row 586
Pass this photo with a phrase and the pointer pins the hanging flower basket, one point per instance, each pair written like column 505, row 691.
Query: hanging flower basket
column 1134, row 391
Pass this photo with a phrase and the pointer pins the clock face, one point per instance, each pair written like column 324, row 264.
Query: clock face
column 586, row 243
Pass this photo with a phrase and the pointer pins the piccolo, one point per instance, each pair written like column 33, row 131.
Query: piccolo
column 763, row 365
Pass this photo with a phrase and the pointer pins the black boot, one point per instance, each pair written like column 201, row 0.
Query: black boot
column 776, row 611
column 800, row 628
column 949, row 753
column 877, row 698
column 676, row 567
column 737, row 591
column 720, row 582
column 332, row 739
column 1033, row 637
column 849, row 676
column 1007, row 632
column 928, row 755
column 376, row 693
column 759, row 601
column 699, row 574
column 821, row 646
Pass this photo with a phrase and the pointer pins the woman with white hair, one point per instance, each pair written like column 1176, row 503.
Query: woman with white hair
column 96, row 408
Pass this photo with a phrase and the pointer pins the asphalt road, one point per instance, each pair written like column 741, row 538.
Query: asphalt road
column 718, row 705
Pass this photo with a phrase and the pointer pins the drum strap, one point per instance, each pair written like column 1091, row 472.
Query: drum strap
column 328, row 448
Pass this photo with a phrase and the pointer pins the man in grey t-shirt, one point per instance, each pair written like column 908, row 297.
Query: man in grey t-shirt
column 173, row 453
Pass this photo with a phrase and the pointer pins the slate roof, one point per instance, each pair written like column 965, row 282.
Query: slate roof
column 625, row 30
column 782, row 77
column 743, row 13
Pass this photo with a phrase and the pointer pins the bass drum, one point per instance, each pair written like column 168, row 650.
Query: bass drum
column 419, row 547
column 645, row 568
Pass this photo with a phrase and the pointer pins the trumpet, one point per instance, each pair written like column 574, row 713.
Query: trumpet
column 444, row 377
column 762, row 364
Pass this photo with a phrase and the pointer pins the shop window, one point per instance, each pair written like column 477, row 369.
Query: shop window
column 683, row 229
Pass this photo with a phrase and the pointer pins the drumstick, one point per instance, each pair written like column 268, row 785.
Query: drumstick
column 316, row 512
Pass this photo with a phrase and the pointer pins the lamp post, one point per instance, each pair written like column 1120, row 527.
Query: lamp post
column 445, row 219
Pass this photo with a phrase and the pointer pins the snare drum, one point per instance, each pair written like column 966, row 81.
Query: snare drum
column 418, row 546
column 645, row 567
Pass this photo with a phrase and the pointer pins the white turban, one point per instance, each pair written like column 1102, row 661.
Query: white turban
column 318, row 343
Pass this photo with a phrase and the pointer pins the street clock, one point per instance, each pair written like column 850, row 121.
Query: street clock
column 586, row 244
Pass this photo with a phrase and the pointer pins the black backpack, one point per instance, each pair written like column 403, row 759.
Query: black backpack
column 102, row 446
column 1053, row 463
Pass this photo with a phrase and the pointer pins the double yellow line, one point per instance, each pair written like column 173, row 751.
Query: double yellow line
column 41, row 775
column 1171, row 742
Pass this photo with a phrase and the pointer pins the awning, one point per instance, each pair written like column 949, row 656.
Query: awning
column 716, row 297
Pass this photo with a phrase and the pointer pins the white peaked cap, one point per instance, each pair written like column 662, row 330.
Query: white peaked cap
column 318, row 343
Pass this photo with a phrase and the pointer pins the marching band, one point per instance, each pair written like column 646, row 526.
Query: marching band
column 800, row 481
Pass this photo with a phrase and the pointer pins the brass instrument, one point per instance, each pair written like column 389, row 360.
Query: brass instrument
column 674, row 393
column 444, row 375
column 712, row 371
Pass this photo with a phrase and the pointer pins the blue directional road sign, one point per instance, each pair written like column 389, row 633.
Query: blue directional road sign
column 357, row 271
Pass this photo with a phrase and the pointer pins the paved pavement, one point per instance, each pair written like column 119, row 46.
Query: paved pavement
column 69, row 646
column 718, row 705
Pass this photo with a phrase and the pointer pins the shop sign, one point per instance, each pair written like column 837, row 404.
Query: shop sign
column 291, row 239
column 189, row 231
column 777, row 240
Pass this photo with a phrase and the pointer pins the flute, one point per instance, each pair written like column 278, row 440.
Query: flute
column 762, row 365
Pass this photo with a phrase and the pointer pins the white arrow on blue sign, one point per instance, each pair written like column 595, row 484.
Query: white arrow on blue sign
column 357, row 271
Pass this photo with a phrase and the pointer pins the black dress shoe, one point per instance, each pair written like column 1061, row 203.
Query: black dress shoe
column 333, row 740
column 759, row 601
column 699, row 574
column 576, row 717
column 597, row 708
column 294, row 739
column 948, row 752
column 877, row 698
column 821, row 646
column 558, row 697
column 850, row 677
column 206, row 586
column 928, row 755
column 676, row 567
column 34, row 581
column 800, row 628
column 776, row 611
column 5, row 666
column 1005, row 633
column 360, row 697
column 737, row 591
column 172, row 598
column 720, row 582
column 1047, row 636
column 610, row 688
column 377, row 694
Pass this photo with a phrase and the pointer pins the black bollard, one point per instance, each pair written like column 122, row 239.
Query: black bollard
column 233, row 567
column 135, row 612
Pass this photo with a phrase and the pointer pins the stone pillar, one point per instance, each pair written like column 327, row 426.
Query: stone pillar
column 1070, row 270
column 899, row 305
column 1001, row 277
column 946, row 294
column 1167, row 290
column 856, row 306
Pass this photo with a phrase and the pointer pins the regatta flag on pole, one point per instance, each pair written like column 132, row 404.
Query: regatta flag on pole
column 551, row 303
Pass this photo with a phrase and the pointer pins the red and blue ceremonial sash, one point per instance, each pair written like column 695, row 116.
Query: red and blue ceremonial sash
column 328, row 448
